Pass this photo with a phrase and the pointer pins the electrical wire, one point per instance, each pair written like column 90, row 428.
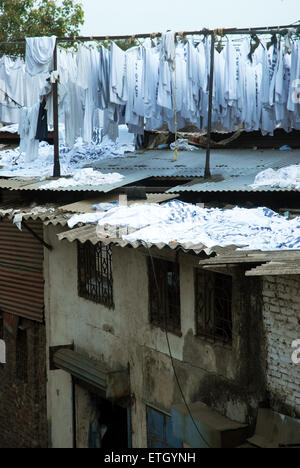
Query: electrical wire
column 171, row 355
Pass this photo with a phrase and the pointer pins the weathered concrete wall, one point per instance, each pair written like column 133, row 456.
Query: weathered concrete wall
column 23, row 410
column 221, row 376
column 281, row 309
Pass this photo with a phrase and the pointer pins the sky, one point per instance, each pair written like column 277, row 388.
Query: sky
column 121, row 17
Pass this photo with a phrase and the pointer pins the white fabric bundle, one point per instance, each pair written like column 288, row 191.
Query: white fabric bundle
column 39, row 54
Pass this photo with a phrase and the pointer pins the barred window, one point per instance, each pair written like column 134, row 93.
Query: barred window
column 22, row 355
column 214, row 305
column 95, row 281
column 164, row 294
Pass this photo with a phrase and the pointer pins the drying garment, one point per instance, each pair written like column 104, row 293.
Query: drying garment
column 27, row 130
column 104, row 77
column 83, row 66
column 73, row 114
column 91, row 96
column 118, row 76
column 39, row 54
column 11, row 82
column 42, row 125
column 135, row 108
column 168, row 48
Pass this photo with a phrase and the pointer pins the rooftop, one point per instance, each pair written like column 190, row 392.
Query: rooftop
column 232, row 170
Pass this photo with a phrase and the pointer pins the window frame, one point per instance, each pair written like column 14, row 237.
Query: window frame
column 94, row 273
column 207, row 319
column 160, row 301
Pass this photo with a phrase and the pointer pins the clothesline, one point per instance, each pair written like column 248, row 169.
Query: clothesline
column 218, row 31
column 135, row 121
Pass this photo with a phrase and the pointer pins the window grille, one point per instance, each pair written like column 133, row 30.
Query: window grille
column 214, row 305
column 22, row 356
column 95, row 281
column 164, row 295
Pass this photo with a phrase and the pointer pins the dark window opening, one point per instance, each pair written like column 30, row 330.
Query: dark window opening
column 95, row 281
column 214, row 305
column 108, row 425
column 22, row 356
column 164, row 294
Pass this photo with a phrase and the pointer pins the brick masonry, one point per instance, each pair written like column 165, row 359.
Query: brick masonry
column 23, row 411
column 281, row 310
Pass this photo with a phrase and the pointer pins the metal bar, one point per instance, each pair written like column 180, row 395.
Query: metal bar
column 49, row 247
column 207, row 173
column 258, row 30
column 265, row 29
column 56, row 168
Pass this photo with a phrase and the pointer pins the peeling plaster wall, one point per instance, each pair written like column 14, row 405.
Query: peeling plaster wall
column 231, row 380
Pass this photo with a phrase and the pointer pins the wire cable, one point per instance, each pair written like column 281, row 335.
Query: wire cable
column 171, row 355
column 8, row 97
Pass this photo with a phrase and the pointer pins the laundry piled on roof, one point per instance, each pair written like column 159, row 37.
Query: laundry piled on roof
column 175, row 221
column 285, row 178
column 14, row 163
column 83, row 177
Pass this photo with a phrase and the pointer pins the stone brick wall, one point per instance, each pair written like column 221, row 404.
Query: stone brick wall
column 23, row 411
column 281, row 309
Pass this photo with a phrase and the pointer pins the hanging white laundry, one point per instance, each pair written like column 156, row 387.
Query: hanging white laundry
column 104, row 77
column 27, row 130
column 39, row 54
column 83, row 66
column 118, row 76
column 253, row 90
column 168, row 48
column 12, row 86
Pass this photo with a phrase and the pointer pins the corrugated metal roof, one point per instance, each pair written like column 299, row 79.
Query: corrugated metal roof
column 113, row 384
column 240, row 170
column 86, row 206
column 276, row 268
column 59, row 219
column 226, row 163
column 156, row 163
column 48, row 215
column 216, row 256
column 231, row 184
column 235, row 169
column 11, row 209
column 88, row 233
column 60, row 215
column 35, row 184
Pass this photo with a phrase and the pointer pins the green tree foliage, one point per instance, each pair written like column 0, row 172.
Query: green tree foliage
column 33, row 18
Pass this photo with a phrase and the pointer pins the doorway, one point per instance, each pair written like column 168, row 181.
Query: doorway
column 108, row 427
